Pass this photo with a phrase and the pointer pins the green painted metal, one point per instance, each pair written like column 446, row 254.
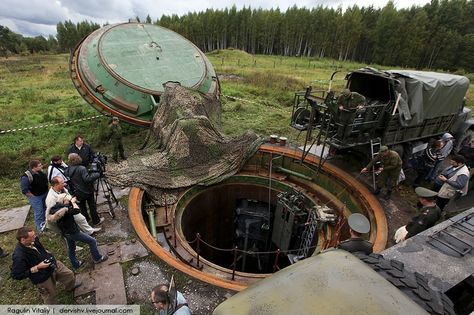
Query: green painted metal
column 290, row 172
column 151, row 220
column 120, row 69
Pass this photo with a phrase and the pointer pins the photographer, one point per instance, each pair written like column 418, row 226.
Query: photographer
column 83, row 183
column 31, row 260
column 59, row 194
column 71, row 232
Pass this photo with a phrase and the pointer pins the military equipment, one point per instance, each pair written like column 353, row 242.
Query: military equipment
column 403, row 110
column 120, row 69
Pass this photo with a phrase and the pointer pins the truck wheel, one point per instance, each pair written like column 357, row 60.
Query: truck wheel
column 414, row 285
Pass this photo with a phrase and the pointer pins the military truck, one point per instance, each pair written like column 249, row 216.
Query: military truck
column 403, row 109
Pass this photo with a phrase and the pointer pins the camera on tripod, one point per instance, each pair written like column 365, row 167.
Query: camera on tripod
column 99, row 161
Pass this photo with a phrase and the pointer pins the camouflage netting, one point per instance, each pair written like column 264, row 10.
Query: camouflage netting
column 184, row 147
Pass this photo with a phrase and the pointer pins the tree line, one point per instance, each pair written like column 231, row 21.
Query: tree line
column 438, row 35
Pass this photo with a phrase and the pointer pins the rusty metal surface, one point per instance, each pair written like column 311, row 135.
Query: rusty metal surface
column 369, row 202
column 134, row 206
column 107, row 282
column 12, row 219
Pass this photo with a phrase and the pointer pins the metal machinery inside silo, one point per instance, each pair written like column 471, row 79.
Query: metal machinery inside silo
column 274, row 212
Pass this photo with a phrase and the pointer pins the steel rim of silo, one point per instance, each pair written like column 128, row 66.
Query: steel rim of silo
column 364, row 195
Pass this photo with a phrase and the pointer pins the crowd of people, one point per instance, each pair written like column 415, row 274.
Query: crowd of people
column 64, row 202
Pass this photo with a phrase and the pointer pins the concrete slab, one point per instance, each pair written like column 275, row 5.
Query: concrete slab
column 107, row 282
column 12, row 219
column 122, row 252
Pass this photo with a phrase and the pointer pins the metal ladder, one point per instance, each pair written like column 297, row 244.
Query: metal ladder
column 375, row 145
column 308, row 234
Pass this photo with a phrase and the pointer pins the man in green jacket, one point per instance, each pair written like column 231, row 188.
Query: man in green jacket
column 389, row 171
column 115, row 136
column 348, row 104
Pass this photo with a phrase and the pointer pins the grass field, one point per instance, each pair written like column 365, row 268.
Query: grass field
column 36, row 90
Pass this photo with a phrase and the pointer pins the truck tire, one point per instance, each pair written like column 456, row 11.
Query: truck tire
column 414, row 285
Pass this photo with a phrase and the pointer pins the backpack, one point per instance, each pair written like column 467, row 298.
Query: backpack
column 29, row 175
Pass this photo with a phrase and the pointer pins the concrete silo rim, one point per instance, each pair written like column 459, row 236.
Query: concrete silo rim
column 136, row 217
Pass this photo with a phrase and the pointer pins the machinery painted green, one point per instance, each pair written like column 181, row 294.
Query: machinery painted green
column 120, row 69
column 334, row 282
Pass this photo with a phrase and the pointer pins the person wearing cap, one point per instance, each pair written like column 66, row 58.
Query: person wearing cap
column 358, row 225
column 447, row 143
column 454, row 179
column 115, row 137
column 429, row 214
column 348, row 104
column 388, row 172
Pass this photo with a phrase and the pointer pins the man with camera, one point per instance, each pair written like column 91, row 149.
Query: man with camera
column 59, row 194
column 84, row 150
column 83, row 186
column 31, row 260
column 70, row 231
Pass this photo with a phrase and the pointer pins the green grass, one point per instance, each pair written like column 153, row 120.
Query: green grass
column 36, row 90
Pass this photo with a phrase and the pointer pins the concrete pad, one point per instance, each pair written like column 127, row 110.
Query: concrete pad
column 122, row 252
column 12, row 219
column 107, row 283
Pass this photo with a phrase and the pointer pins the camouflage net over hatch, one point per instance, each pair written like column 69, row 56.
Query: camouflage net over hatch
column 184, row 147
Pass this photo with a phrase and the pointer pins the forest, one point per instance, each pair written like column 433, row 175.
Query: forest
column 438, row 35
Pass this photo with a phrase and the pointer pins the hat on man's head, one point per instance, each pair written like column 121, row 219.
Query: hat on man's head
column 447, row 136
column 115, row 118
column 425, row 192
column 383, row 148
column 358, row 223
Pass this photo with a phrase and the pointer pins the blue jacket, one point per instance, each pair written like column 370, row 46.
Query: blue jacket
column 24, row 258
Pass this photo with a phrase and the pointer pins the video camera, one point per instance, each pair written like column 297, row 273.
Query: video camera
column 99, row 161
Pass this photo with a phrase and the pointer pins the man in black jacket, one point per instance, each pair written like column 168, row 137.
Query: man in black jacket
column 83, row 183
column 83, row 149
column 358, row 225
column 31, row 260
column 70, row 231
column 34, row 185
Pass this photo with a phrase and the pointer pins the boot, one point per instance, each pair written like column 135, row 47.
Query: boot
column 377, row 191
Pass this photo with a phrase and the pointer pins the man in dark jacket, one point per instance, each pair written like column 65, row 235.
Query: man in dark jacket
column 69, row 230
column 34, row 185
column 83, row 149
column 31, row 260
column 429, row 214
column 83, row 183
column 358, row 225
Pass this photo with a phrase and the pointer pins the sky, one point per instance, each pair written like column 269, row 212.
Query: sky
column 39, row 17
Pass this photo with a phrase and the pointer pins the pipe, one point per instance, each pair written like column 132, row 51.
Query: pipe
column 151, row 219
column 290, row 172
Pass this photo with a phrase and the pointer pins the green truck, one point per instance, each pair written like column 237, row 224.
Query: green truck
column 403, row 109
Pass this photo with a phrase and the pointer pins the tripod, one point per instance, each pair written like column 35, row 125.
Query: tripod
column 108, row 194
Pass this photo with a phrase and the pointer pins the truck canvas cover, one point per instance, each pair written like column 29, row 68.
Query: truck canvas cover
column 426, row 95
